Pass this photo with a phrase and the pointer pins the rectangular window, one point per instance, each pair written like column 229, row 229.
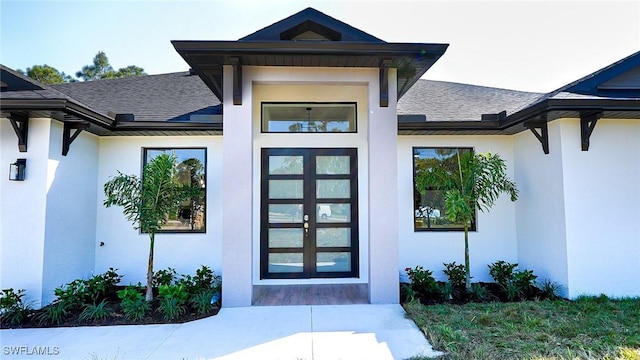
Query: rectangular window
column 189, row 170
column 429, row 208
column 308, row 117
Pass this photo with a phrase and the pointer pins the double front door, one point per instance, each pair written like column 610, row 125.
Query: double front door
column 309, row 213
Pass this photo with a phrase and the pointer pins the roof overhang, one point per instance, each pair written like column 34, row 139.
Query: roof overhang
column 207, row 58
column 544, row 111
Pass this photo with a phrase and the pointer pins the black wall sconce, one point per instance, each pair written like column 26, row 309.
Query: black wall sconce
column 17, row 169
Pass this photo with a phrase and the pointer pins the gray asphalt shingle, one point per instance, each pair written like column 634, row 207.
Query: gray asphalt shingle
column 165, row 97
column 447, row 101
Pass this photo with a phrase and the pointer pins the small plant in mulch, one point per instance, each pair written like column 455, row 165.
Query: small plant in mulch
column 99, row 300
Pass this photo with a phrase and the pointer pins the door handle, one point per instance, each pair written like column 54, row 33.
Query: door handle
column 306, row 225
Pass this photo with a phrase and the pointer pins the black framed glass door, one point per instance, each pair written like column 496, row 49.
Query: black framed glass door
column 309, row 213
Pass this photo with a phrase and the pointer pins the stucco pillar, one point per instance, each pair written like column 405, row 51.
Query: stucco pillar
column 236, row 197
column 383, row 196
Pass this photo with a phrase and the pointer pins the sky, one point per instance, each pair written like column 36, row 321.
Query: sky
column 523, row 45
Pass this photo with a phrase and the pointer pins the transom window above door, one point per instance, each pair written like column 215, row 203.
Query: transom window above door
column 308, row 117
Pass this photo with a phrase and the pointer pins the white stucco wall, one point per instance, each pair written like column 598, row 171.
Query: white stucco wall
column 127, row 249
column 541, row 207
column 578, row 215
column 48, row 220
column 70, row 220
column 23, row 210
column 602, row 202
column 495, row 238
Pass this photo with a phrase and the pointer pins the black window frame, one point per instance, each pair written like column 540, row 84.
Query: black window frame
column 355, row 116
column 417, row 200
column 203, row 230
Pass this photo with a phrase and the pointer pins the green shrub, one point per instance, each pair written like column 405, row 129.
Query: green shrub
column 164, row 277
column 525, row 280
column 132, row 303
column 55, row 313
column 204, row 279
column 173, row 301
column 479, row 293
column 201, row 303
column 79, row 293
column 550, row 290
column 455, row 273
column 448, row 291
column 13, row 310
column 502, row 272
column 95, row 312
column 422, row 281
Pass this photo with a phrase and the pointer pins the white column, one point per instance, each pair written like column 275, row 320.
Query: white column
column 383, row 196
column 236, row 190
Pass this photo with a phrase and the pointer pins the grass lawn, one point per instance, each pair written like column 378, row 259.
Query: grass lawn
column 587, row 328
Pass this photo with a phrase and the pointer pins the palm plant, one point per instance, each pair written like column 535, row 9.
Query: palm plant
column 474, row 184
column 147, row 202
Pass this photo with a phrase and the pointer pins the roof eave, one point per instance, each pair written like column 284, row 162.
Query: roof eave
column 222, row 51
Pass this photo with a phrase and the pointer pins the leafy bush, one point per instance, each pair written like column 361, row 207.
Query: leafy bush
column 204, row 279
column 173, row 301
column 422, row 281
column 455, row 273
column 516, row 284
column 81, row 292
column 164, row 277
column 132, row 302
column 13, row 310
column 502, row 272
column 525, row 280
column 95, row 312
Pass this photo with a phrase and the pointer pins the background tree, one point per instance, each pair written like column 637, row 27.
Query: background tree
column 101, row 69
column 46, row 74
column 474, row 184
column 147, row 202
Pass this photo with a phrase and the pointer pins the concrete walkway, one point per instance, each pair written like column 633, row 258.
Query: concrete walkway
column 259, row 332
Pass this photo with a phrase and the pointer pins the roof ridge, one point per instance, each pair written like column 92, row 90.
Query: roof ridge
column 482, row 86
column 122, row 78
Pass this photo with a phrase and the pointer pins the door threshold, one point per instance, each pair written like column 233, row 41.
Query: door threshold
column 310, row 294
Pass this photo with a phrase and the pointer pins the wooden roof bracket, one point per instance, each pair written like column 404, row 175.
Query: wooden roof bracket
column 384, row 82
column 237, row 80
column 20, row 125
column 541, row 131
column 587, row 124
column 67, row 137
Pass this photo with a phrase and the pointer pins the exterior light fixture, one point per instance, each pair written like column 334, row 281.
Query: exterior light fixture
column 17, row 169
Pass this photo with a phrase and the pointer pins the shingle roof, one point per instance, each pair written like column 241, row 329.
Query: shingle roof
column 447, row 101
column 165, row 97
column 23, row 94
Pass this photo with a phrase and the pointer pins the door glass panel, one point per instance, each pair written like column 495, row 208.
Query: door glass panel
column 328, row 213
column 333, row 261
column 285, row 165
column 285, row 238
column 333, row 189
column 285, row 263
column 285, row 213
column 286, row 189
column 333, row 237
column 333, row 165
